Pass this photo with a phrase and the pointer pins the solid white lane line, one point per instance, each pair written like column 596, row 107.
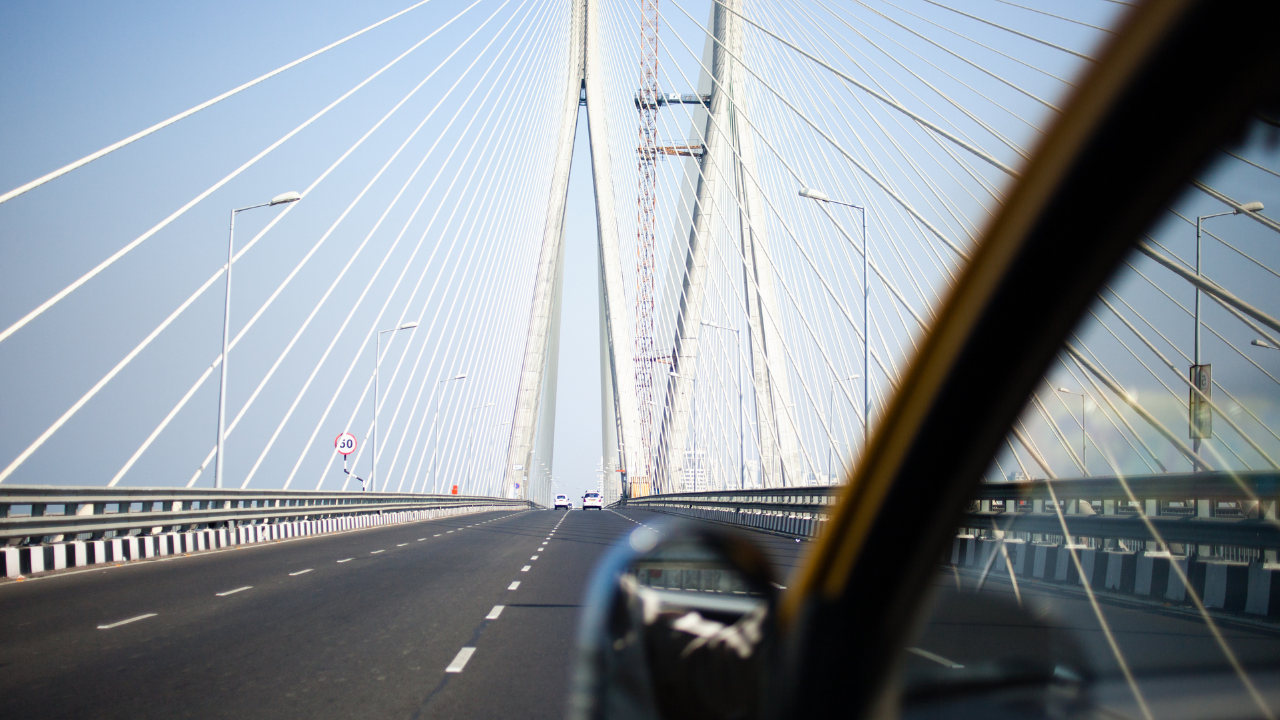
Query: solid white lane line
column 525, row 568
column 233, row 592
column 936, row 658
column 375, row 552
column 347, row 560
column 402, row 544
column 300, row 572
column 460, row 660
column 150, row 615
column 514, row 585
column 495, row 612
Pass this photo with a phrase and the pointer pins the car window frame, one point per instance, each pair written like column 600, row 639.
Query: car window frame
column 1125, row 145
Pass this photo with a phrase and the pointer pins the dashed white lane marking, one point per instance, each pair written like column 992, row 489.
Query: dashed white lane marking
column 936, row 658
column 375, row 552
column 525, row 568
column 151, row 615
column 421, row 539
column 514, row 585
column 436, row 535
column 446, row 533
column 460, row 660
column 347, row 560
column 233, row 592
column 495, row 612
column 402, row 544
column 300, row 572
column 535, row 557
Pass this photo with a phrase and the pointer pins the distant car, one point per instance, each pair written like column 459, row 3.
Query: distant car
column 592, row 500
column 562, row 501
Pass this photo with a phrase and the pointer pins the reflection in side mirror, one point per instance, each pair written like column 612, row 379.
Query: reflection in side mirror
column 679, row 623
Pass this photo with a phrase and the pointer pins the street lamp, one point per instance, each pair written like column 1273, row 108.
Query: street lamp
column 830, row 405
column 377, row 361
column 1199, row 411
column 738, row 340
column 1084, row 457
column 820, row 196
column 281, row 199
column 1263, row 344
column 435, row 450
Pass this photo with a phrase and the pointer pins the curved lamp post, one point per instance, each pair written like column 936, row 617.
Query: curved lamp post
column 281, row 199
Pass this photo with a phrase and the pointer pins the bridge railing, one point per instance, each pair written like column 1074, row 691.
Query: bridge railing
column 1219, row 529
column 1234, row 513
column 798, row 512
column 34, row 514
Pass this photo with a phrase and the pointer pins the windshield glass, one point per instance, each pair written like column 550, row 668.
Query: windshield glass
column 1127, row 532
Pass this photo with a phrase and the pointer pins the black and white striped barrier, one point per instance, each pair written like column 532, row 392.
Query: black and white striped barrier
column 27, row 560
column 790, row 524
column 1250, row 588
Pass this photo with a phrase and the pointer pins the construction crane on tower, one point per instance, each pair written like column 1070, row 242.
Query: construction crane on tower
column 648, row 101
column 646, row 209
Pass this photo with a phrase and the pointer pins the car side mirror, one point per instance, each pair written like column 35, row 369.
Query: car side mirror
column 679, row 623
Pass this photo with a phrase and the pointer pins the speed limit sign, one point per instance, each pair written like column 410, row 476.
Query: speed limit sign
column 345, row 443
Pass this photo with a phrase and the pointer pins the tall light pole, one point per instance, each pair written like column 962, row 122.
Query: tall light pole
column 1201, row 416
column 830, row 406
column 1084, row 449
column 738, row 340
column 820, row 196
column 281, row 199
column 435, row 450
column 377, row 361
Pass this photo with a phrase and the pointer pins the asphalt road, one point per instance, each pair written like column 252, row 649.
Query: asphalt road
column 366, row 624
column 361, row 624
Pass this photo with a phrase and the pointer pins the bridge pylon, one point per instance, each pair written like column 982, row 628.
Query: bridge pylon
column 529, row 453
column 729, row 156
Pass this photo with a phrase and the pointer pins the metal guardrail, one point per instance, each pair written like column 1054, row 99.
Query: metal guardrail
column 1209, row 508
column 96, row 511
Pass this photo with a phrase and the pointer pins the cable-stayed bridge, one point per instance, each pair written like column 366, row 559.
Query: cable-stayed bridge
column 782, row 194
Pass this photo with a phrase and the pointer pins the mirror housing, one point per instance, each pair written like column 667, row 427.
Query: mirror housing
column 679, row 622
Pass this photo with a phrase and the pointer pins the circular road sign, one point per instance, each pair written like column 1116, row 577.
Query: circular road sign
column 345, row 443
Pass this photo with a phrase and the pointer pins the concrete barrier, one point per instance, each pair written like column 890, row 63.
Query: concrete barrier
column 1263, row 594
column 32, row 559
column 1236, row 587
column 1225, row 585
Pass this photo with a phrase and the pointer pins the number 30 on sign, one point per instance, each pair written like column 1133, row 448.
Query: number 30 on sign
column 345, row 443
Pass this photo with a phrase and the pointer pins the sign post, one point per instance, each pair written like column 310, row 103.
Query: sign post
column 345, row 444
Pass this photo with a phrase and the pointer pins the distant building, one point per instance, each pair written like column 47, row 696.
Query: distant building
column 695, row 471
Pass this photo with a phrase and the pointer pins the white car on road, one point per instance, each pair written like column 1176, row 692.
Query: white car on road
column 592, row 500
column 562, row 501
